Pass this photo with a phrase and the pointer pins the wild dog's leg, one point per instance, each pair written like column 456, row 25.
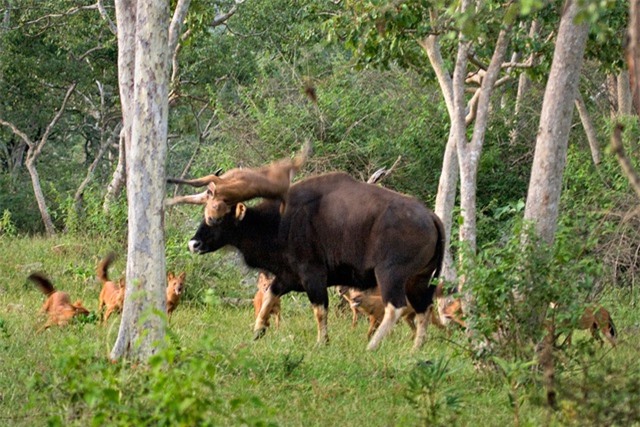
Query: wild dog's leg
column 373, row 325
column 354, row 316
column 276, row 313
column 107, row 314
column 262, row 320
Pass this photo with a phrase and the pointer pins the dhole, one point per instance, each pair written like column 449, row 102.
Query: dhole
column 175, row 286
column 112, row 293
column 370, row 303
column 58, row 304
column 264, row 281
column 596, row 320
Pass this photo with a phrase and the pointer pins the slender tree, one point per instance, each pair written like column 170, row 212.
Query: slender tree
column 143, row 76
column 543, row 196
column 33, row 153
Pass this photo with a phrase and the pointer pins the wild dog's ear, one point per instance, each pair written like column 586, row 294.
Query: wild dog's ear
column 241, row 210
column 182, row 275
column 170, row 276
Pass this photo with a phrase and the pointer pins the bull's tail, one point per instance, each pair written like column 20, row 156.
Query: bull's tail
column 103, row 266
column 42, row 282
column 612, row 328
column 440, row 246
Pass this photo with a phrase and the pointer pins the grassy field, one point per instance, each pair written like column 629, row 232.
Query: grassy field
column 213, row 373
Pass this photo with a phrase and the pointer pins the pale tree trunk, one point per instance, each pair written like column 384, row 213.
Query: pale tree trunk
column 143, row 35
column 543, row 196
column 612, row 95
column 469, row 153
column 90, row 171
column 33, row 152
column 632, row 53
column 119, row 177
column 105, row 142
column 448, row 183
column 39, row 195
column 589, row 129
column 625, row 106
column 524, row 86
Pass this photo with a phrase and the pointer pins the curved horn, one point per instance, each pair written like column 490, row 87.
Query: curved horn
column 197, row 182
column 193, row 199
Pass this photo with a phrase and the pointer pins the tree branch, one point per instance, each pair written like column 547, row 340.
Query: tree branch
column 625, row 163
column 105, row 16
column 47, row 132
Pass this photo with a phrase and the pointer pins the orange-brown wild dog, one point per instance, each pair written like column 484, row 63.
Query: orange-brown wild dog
column 240, row 184
column 264, row 282
column 175, row 287
column 596, row 320
column 370, row 303
column 58, row 304
column 449, row 308
column 112, row 293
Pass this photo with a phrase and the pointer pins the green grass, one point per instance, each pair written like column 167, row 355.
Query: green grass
column 62, row 375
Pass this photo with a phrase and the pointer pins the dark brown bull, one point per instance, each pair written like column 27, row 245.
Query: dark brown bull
column 337, row 231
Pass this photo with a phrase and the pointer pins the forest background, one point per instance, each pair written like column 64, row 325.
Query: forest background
column 241, row 73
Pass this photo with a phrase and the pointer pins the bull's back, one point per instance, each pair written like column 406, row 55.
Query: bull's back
column 355, row 223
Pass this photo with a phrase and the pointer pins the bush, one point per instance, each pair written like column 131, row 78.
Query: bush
column 176, row 388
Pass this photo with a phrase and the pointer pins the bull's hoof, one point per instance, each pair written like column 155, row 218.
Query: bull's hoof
column 259, row 333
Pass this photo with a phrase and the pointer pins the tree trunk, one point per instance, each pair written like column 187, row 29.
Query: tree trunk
column 39, row 195
column 589, row 129
column 145, row 36
column 625, row 106
column 469, row 153
column 79, row 192
column 632, row 53
column 543, row 196
column 445, row 201
column 524, row 86
column 34, row 151
column 611, row 84
column 119, row 175
column 447, row 186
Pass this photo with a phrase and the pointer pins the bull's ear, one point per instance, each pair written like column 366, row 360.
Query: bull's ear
column 241, row 209
column 211, row 189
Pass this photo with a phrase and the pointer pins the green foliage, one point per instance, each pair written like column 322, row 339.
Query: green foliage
column 88, row 217
column 178, row 388
column 431, row 393
column 514, row 284
column 7, row 227
column 599, row 392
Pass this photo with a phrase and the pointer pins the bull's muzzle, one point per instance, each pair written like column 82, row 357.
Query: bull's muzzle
column 195, row 246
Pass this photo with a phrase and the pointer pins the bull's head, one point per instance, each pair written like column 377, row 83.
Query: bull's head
column 211, row 237
column 215, row 207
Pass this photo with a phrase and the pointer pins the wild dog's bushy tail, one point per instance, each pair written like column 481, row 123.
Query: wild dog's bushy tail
column 103, row 266
column 42, row 282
